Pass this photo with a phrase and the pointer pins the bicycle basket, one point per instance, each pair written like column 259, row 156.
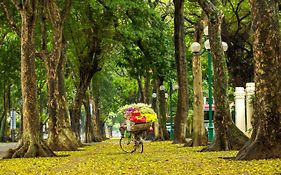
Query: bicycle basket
column 140, row 126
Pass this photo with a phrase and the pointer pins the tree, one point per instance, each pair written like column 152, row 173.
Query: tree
column 265, row 140
column 228, row 136
column 31, row 144
column 199, row 137
column 182, row 104
column 147, row 53
column 10, row 77
column 60, row 137
column 94, row 23
column 236, row 31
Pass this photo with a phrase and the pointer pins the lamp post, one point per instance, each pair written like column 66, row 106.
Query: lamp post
column 210, row 97
column 172, row 88
column 171, row 113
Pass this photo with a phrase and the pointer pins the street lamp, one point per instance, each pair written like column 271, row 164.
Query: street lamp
column 153, row 95
column 224, row 46
column 211, row 125
column 172, row 88
column 195, row 47
column 162, row 88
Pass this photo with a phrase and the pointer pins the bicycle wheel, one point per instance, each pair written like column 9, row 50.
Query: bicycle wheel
column 127, row 143
column 139, row 141
column 139, row 146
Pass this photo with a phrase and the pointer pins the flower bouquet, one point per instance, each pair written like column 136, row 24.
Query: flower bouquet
column 139, row 116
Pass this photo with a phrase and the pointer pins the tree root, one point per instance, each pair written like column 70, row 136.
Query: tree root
column 188, row 143
column 30, row 149
column 260, row 150
column 236, row 140
column 97, row 139
column 64, row 141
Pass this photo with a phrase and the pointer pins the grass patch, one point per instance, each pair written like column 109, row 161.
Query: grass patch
column 158, row 158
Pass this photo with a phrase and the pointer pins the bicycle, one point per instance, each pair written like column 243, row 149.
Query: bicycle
column 132, row 137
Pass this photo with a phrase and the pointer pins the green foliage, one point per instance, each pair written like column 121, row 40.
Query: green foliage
column 157, row 158
column 10, row 66
column 147, row 43
column 113, row 88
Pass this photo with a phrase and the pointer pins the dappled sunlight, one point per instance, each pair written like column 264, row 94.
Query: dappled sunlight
column 158, row 158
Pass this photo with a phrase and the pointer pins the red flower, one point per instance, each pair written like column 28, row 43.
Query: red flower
column 135, row 114
column 137, row 119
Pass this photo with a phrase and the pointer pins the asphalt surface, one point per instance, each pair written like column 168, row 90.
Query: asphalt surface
column 4, row 147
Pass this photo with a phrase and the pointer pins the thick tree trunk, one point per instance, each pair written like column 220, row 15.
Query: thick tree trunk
column 265, row 142
column 225, row 139
column 89, row 65
column 61, row 137
column 182, row 104
column 52, row 101
column 31, row 144
column 220, row 82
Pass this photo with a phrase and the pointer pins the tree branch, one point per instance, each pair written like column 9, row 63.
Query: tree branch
column 17, row 4
column 207, row 6
column 10, row 19
column 66, row 10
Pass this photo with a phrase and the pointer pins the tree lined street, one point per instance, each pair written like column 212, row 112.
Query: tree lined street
column 67, row 68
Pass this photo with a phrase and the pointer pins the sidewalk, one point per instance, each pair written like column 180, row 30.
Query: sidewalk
column 5, row 146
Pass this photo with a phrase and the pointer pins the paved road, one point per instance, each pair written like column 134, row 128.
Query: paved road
column 4, row 147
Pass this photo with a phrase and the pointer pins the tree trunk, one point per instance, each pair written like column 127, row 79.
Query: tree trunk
column 141, row 90
column 76, row 107
column 3, row 123
column 31, row 144
column 265, row 142
column 97, row 135
column 52, row 101
column 162, row 117
column 88, row 125
column 61, row 137
column 4, row 116
column 147, row 84
column 89, row 65
column 198, row 135
column 182, row 104
column 227, row 135
column 154, row 105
